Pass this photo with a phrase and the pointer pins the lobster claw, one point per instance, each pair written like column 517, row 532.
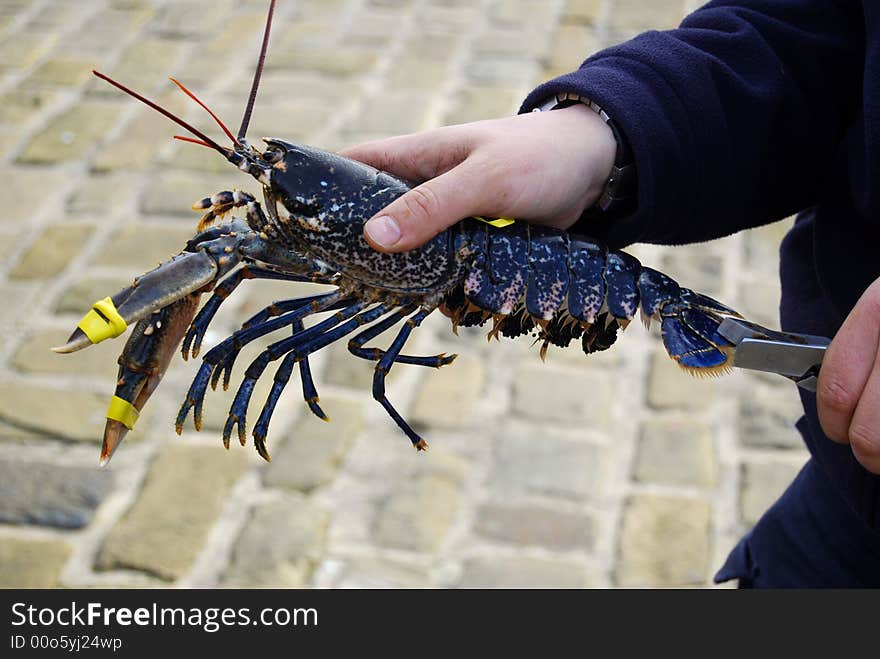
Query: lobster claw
column 142, row 364
column 108, row 318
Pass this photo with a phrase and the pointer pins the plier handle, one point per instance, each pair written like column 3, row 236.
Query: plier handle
column 795, row 356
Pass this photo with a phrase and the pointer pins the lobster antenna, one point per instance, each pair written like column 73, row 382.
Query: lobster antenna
column 205, row 107
column 253, row 97
column 158, row 108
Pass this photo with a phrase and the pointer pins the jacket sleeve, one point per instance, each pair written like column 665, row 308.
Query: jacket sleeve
column 733, row 117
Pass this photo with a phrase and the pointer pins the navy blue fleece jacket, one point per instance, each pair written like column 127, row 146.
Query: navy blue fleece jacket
column 753, row 110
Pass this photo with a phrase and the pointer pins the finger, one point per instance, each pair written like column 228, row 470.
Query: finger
column 416, row 157
column 864, row 430
column 423, row 212
column 847, row 365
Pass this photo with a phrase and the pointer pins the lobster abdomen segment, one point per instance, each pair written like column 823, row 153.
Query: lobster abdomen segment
column 568, row 287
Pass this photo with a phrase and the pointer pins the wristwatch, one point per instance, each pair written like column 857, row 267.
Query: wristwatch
column 619, row 194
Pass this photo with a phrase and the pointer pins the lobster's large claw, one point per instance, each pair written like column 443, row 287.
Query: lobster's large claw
column 171, row 281
column 142, row 364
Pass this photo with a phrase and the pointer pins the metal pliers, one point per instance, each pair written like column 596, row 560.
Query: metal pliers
column 795, row 356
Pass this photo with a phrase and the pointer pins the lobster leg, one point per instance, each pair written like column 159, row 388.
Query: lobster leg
column 300, row 355
column 215, row 357
column 385, row 364
column 355, row 345
column 192, row 342
column 300, row 345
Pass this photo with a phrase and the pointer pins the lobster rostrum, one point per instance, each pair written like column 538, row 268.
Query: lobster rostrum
column 524, row 279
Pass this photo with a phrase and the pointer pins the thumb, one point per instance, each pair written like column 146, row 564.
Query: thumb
column 417, row 216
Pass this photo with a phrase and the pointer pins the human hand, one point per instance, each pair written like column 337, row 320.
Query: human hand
column 544, row 167
column 848, row 392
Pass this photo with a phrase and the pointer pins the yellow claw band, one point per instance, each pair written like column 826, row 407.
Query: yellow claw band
column 499, row 222
column 123, row 411
column 102, row 321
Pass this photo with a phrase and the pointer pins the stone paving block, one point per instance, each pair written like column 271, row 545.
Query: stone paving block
column 377, row 572
column 174, row 192
column 762, row 248
column 290, row 119
column 531, row 42
column 21, row 50
column 522, row 572
column 676, row 451
column 541, row 464
column 79, row 296
column 50, row 495
column 447, row 396
column 581, row 11
column 447, row 19
column 528, row 525
column 66, row 71
column 34, row 356
column 392, row 113
column 541, row 391
column 664, row 541
column 141, row 139
column 12, row 433
column 571, row 45
column 370, row 28
column 109, row 26
column 144, row 66
column 312, row 453
column 632, row 16
column 323, row 91
column 52, row 251
column 21, row 104
column 9, row 138
column 418, row 514
column 767, row 415
column 190, row 20
column 478, row 103
column 101, row 195
column 73, row 415
column 72, row 134
column 184, row 491
column 761, row 485
column 7, row 246
column 760, row 301
column 332, row 60
column 503, row 71
column 32, row 563
column 140, row 246
column 30, row 185
column 698, row 270
column 414, row 73
column 521, row 12
column 669, row 386
column 279, row 546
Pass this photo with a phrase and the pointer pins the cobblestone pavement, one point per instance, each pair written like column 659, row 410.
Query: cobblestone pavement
column 616, row 470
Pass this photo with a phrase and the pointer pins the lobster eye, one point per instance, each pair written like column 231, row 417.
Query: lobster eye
column 272, row 155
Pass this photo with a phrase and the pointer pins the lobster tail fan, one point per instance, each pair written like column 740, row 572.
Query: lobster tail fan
column 689, row 329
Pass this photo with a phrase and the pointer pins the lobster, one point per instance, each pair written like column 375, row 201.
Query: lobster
column 526, row 279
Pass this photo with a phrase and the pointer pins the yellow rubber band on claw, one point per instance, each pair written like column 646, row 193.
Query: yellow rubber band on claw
column 499, row 222
column 123, row 411
column 102, row 321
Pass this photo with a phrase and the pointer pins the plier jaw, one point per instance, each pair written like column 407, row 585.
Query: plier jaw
column 795, row 356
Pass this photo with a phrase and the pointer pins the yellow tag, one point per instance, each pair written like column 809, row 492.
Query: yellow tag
column 123, row 411
column 500, row 222
column 104, row 325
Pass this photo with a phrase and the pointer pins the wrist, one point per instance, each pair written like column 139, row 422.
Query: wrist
column 611, row 191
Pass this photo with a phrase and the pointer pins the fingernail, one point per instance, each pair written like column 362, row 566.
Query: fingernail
column 383, row 230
